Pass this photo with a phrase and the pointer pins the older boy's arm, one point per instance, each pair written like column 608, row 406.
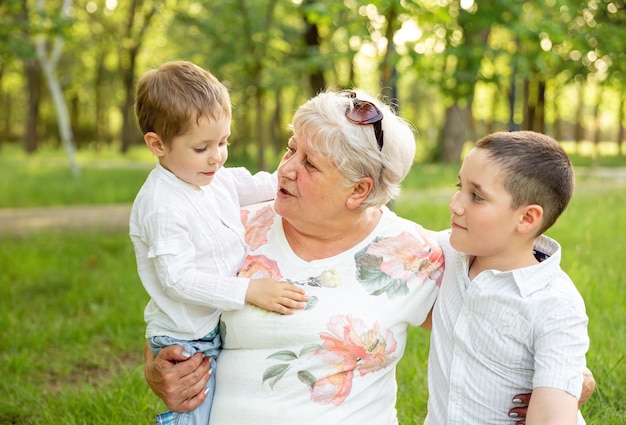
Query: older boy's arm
column 178, row 379
column 589, row 386
column 552, row 406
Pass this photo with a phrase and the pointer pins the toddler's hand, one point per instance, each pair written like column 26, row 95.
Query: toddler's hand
column 272, row 295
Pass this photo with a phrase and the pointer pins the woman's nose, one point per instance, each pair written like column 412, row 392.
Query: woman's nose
column 286, row 168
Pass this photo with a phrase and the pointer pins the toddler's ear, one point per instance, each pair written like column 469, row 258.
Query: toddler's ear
column 154, row 143
column 531, row 219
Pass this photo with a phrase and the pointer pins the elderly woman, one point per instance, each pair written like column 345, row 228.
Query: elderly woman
column 369, row 274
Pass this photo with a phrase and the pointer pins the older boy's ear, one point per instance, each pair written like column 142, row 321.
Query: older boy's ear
column 360, row 191
column 154, row 143
column 531, row 219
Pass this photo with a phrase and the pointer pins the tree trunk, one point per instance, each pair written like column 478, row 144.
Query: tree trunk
column 101, row 120
column 48, row 65
column 454, row 133
column 620, row 123
column 579, row 129
column 539, row 123
column 317, row 82
column 127, row 67
column 597, row 134
column 33, row 78
column 129, row 130
column 261, row 142
column 388, row 71
column 277, row 137
column 529, row 107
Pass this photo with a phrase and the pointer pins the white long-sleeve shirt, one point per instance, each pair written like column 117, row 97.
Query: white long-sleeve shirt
column 189, row 244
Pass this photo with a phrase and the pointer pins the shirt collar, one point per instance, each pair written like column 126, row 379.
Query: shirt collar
column 532, row 278
column 538, row 276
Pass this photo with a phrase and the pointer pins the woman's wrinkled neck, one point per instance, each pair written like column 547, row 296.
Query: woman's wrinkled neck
column 325, row 240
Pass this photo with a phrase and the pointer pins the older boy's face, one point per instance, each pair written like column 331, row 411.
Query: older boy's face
column 195, row 156
column 483, row 222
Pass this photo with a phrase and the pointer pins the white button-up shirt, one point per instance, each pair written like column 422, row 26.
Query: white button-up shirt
column 502, row 334
column 189, row 244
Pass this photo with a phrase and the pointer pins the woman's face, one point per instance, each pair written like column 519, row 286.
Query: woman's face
column 310, row 189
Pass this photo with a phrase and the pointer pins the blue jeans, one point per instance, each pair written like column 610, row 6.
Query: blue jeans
column 208, row 348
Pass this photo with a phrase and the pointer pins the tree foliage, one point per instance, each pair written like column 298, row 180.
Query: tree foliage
column 455, row 69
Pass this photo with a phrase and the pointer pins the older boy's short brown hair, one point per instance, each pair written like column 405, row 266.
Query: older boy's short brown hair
column 536, row 170
column 170, row 97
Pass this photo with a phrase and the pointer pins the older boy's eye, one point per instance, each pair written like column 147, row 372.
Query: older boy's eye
column 476, row 197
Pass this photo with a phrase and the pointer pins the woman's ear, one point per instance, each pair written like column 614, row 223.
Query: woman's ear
column 360, row 191
column 531, row 219
column 154, row 143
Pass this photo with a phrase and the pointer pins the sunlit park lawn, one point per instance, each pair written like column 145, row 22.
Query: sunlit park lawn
column 71, row 305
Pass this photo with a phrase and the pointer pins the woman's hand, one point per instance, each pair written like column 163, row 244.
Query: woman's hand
column 176, row 378
column 589, row 386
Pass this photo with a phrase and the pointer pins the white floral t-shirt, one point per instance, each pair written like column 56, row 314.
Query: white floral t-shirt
column 334, row 362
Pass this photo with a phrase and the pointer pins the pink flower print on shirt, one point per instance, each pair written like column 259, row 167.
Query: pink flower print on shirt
column 349, row 346
column 368, row 348
column 387, row 264
column 258, row 267
column 257, row 226
column 336, row 387
column 435, row 265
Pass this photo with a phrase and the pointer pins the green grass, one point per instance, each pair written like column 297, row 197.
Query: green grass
column 71, row 305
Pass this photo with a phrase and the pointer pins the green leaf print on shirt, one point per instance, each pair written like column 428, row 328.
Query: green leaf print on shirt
column 349, row 349
column 274, row 373
column 374, row 280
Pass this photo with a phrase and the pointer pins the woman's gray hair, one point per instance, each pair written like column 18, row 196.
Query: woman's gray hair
column 353, row 147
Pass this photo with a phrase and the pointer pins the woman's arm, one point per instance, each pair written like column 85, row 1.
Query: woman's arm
column 176, row 378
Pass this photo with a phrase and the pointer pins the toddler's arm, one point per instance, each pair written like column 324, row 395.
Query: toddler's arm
column 272, row 295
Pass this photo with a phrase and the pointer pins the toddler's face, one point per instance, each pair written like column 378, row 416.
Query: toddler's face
column 195, row 156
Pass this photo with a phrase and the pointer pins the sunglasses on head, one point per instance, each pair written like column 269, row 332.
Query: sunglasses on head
column 364, row 112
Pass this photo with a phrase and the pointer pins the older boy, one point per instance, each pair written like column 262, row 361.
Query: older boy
column 508, row 320
column 185, row 223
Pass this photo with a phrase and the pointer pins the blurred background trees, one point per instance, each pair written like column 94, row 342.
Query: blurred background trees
column 455, row 70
